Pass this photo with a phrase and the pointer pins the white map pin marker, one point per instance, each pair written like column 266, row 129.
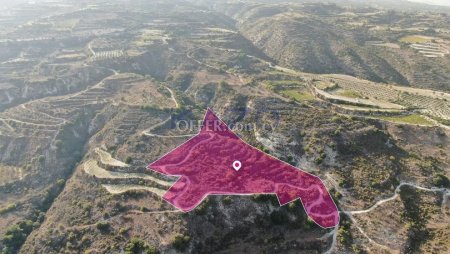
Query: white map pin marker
column 237, row 165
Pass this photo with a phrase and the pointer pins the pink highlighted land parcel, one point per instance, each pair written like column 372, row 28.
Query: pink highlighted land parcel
column 218, row 162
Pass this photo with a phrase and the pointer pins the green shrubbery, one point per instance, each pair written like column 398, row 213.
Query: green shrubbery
column 181, row 242
column 202, row 207
column 103, row 226
column 227, row 200
column 344, row 235
column 7, row 209
column 15, row 236
column 262, row 198
column 416, row 218
column 441, row 181
column 138, row 246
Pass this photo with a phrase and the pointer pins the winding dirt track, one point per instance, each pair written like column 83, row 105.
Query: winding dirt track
column 445, row 191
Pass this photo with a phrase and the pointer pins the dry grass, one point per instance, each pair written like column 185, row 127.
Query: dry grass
column 410, row 119
column 10, row 174
column 298, row 95
column 91, row 167
column 107, row 159
column 415, row 39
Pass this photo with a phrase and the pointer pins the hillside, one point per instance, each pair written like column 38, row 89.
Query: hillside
column 362, row 42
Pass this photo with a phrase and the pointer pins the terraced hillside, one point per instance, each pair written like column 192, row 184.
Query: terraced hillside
column 328, row 38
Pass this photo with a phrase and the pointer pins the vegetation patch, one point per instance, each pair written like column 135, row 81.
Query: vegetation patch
column 8, row 209
column 415, row 39
column 15, row 236
column 298, row 95
column 410, row 119
column 181, row 242
column 9, row 174
column 350, row 94
column 441, row 181
column 416, row 217
column 138, row 246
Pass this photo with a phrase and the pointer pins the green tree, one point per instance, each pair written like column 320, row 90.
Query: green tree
column 16, row 235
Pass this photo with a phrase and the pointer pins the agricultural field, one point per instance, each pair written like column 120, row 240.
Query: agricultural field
column 148, row 36
column 410, row 119
column 91, row 167
column 429, row 103
column 430, row 47
column 298, row 95
column 412, row 39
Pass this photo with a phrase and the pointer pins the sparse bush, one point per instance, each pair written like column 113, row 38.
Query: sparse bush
column 71, row 237
column 202, row 208
column 357, row 249
column 15, row 236
column 227, row 200
column 103, row 226
column 58, row 145
column 335, row 194
column 41, row 158
column 61, row 182
column 416, row 217
column 441, row 181
column 128, row 160
column 181, row 242
column 321, row 157
column 123, row 231
column 335, row 119
column 7, row 209
column 344, row 236
column 262, row 198
column 138, row 246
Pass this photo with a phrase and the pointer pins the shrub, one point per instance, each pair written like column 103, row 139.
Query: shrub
column 344, row 234
column 357, row 249
column 335, row 119
column 16, row 235
column 41, row 158
column 202, row 208
column 128, row 160
column 123, row 231
column 58, row 144
column 337, row 131
column 103, row 226
column 144, row 209
column 442, row 181
column 60, row 182
column 7, row 209
column 227, row 200
column 181, row 242
column 320, row 159
column 138, row 246
column 263, row 198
